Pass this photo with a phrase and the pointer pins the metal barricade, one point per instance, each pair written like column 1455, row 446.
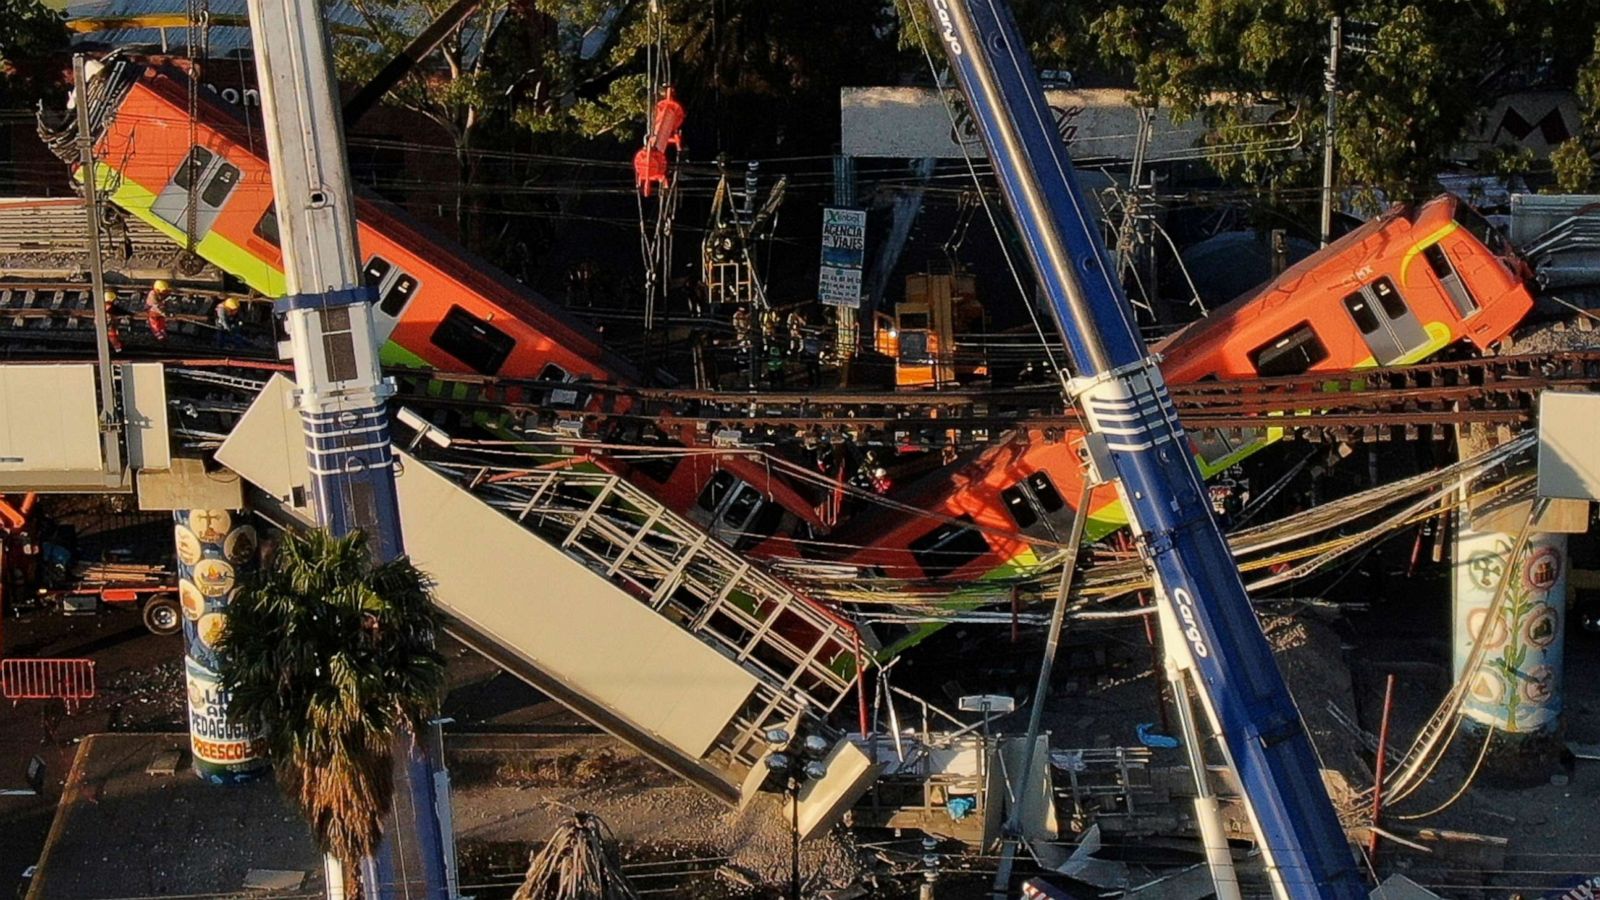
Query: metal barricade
column 68, row 680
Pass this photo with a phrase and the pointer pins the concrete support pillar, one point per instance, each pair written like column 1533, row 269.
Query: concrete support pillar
column 1517, row 685
column 215, row 549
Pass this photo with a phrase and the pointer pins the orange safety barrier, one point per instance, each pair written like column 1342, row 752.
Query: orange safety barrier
column 70, row 680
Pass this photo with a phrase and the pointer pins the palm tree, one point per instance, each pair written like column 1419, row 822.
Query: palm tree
column 328, row 656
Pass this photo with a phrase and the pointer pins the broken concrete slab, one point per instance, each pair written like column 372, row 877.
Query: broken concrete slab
column 1399, row 887
column 273, row 880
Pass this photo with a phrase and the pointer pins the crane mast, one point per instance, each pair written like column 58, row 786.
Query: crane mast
column 1137, row 441
column 340, row 391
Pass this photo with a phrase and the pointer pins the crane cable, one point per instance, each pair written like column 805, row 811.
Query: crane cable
column 917, row 28
column 655, row 243
column 196, row 46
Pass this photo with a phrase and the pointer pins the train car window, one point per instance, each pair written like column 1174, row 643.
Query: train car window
column 1361, row 311
column 192, row 165
column 267, row 226
column 1291, row 353
column 741, row 506
column 948, row 547
column 1044, row 490
column 1480, row 228
column 561, row 397
column 377, row 267
column 716, row 489
column 914, row 345
column 473, row 341
column 1454, row 286
column 220, row 185
column 1021, row 510
column 659, row 467
column 1389, row 297
column 398, row 295
column 338, row 344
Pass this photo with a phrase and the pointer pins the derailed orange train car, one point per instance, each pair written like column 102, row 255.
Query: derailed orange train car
column 437, row 306
column 1397, row 290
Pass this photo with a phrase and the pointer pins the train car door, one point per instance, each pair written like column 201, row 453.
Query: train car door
column 394, row 289
column 201, row 184
column 728, row 508
column 1387, row 324
column 1038, row 508
column 1450, row 279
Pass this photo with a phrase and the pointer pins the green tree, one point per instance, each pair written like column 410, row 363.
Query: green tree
column 1426, row 72
column 330, row 656
column 1573, row 163
column 33, row 44
column 761, row 73
column 457, row 88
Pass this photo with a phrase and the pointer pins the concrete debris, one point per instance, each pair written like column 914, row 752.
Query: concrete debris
column 1485, row 852
column 736, row 875
column 1399, row 887
column 273, row 880
column 165, row 762
column 1083, row 866
column 757, row 842
column 1584, row 751
column 1190, row 884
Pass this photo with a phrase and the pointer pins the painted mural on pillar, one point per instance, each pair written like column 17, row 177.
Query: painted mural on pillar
column 1517, row 685
column 215, row 548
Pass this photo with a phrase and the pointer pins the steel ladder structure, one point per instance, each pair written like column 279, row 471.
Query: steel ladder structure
column 593, row 592
column 803, row 656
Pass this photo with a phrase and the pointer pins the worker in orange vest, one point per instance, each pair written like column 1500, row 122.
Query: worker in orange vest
column 154, row 311
column 113, row 336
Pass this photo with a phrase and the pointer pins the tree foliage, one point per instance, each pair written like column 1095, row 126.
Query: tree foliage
column 33, row 42
column 1416, row 77
column 456, row 88
column 757, row 69
column 330, row 657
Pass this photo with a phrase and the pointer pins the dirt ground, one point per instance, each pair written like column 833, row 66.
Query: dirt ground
column 520, row 761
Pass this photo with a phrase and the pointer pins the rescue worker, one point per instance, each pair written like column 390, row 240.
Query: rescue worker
column 797, row 332
column 153, row 309
column 741, row 327
column 225, row 312
column 769, row 326
column 113, row 336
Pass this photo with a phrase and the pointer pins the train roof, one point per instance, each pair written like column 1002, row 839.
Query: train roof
column 444, row 253
column 1222, row 318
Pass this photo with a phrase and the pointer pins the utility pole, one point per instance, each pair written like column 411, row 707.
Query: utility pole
column 847, row 319
column 110, row 424
column 341, row 392
column 1330, row 83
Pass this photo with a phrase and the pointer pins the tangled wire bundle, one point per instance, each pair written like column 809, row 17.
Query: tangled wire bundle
column 578, row 863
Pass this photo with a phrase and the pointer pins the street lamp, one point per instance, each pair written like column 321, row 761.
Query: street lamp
column 796, row 763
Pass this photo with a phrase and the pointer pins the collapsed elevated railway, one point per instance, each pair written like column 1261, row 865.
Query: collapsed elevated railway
column 724, row 525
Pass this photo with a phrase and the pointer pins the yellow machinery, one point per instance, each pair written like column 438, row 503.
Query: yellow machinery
column 921, row 336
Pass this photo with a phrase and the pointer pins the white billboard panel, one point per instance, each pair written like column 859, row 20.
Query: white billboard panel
column 1097, row 123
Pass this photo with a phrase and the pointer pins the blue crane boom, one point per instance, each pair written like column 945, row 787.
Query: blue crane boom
column 341, row 391
column 1138, row 441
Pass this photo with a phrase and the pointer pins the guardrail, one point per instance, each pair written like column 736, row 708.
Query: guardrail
column 68, row 680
